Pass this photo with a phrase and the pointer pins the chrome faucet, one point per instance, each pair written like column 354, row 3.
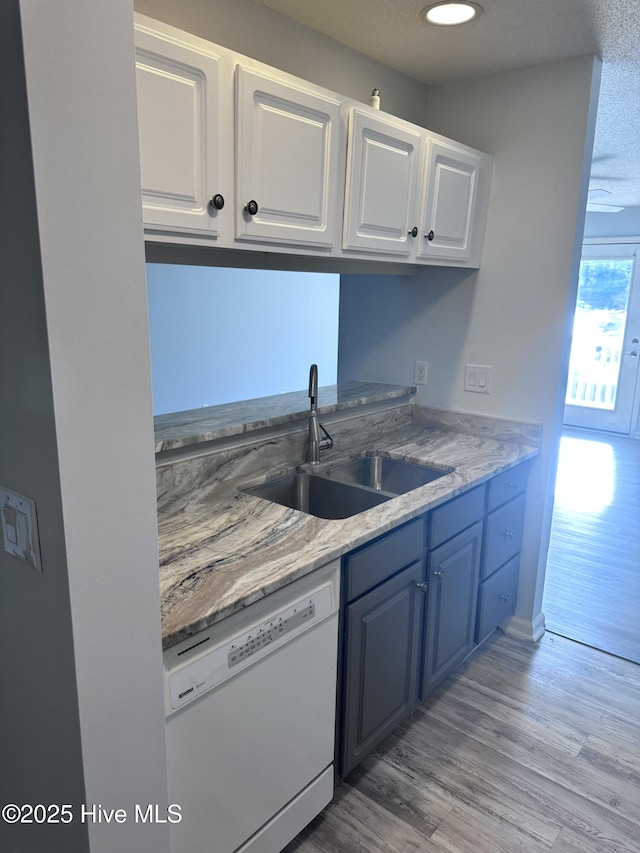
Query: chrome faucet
column 315, row 443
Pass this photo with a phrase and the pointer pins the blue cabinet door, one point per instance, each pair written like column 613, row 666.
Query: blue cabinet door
column 452, row 576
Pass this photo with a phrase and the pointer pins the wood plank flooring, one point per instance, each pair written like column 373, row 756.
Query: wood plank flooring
column 592, row 587
column 527, row 748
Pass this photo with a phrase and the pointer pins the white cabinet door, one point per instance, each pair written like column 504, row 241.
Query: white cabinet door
column 382, row 177
column 287, row 162
column 449, row 201
column 179, row 129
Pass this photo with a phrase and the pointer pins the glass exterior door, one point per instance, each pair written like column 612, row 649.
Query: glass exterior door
column 603, row 366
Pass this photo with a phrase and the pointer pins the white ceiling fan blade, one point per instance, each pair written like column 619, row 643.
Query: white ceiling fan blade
column 594, row 194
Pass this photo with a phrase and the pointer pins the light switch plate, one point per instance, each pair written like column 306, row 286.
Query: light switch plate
column 477, row 378
column 20, row 527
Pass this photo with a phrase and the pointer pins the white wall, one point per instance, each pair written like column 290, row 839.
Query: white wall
column 219, row 335
column 624, row 223
column 265, row 35
column 511, row 314
column 82, row 705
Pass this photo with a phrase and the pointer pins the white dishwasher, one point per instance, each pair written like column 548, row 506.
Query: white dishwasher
column 250, row 720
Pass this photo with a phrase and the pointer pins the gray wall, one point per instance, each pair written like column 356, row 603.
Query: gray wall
column 40, row 741
column 511, row 314
column 82, row 704
column 265, row 35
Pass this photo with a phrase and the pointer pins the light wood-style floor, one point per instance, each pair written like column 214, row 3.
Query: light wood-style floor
column 527, row 748
column 592, row 587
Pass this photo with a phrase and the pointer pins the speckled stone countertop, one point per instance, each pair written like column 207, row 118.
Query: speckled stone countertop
column 222, row 549
column 195, row 426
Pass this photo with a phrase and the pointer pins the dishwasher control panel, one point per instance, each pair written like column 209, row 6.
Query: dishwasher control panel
column 213, row 667
column 279, row 626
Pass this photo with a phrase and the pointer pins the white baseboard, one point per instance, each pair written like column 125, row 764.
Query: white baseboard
column 524, row 629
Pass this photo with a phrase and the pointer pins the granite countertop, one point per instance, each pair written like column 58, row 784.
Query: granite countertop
column 196, row 426
column 225, row 549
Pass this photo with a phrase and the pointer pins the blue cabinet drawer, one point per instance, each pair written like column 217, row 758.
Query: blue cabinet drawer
column 507, row 485
column 383, row 557
column 503, row 535
column 455, row 516
column 497, row 598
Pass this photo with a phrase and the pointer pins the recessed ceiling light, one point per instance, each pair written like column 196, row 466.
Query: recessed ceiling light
column 447, row 14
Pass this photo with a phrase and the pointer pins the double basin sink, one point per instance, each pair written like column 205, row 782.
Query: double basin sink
column 350, row 488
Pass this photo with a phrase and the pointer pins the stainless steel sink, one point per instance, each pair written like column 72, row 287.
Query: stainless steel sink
column 318, row 495
column 387, row 475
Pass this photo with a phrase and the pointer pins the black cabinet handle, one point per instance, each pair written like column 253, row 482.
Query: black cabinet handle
column 430, row 236
column 217, row 201
column 251, row 207
column 414, row 231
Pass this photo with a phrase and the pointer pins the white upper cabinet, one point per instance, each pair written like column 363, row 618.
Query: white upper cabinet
column 382, row 180
column 179, row 127
column 238, row 155
column 450, row 197
column 287, row 161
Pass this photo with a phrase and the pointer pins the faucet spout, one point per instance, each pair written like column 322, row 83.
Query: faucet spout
column 314, row 442
column 313, row 384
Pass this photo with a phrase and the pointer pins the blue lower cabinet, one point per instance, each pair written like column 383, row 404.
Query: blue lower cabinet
column 417, row 601
column 453, row 570
column 382, row 642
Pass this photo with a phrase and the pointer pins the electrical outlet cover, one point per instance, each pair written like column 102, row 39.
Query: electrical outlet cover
column 421, row 372
column 20, row 527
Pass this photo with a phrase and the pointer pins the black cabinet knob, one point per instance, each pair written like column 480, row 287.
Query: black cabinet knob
column 251, row 207
column 414, row 231
column 430, row 236
column 217, row 201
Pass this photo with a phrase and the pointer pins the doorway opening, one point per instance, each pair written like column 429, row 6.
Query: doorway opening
column 592, row 586
column 226, row 335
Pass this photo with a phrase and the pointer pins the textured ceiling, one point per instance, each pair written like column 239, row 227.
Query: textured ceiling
column 509, row 34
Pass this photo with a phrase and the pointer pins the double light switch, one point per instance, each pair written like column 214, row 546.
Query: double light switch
column 477, row 377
